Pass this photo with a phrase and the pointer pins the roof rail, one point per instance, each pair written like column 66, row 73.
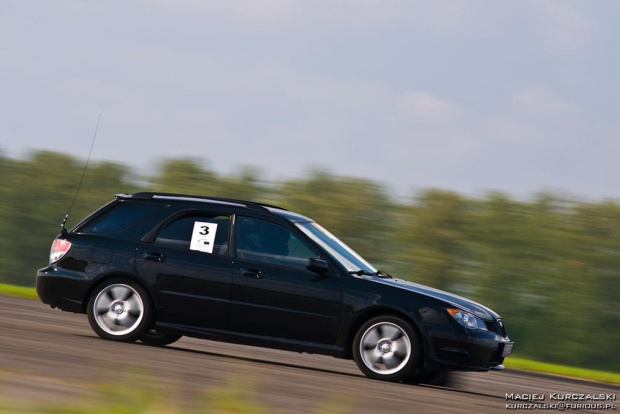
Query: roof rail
column 205, row 199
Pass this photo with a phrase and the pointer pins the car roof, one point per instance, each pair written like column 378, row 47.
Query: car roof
column 289, row 215
column 269, row 208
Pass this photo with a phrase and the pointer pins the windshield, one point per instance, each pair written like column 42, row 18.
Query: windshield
column 340, row 251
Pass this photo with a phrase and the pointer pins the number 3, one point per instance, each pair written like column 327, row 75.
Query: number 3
column 205, row 230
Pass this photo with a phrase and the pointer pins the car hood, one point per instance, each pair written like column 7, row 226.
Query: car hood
column 458, row 301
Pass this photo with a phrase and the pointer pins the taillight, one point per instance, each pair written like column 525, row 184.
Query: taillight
column 59, row 248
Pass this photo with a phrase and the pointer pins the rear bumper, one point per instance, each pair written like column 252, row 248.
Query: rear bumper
column 45, row 288
column 469, row 351
column 62, row 289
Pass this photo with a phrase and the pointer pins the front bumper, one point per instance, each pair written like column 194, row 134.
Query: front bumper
column 467, row 350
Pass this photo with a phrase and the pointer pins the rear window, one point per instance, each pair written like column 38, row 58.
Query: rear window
column 119, row 217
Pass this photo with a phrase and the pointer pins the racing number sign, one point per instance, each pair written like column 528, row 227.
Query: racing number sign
column 203, row 236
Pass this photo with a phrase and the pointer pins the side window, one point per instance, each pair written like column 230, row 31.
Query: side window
column 119, row 217
column 201, row 232
column 267, row 242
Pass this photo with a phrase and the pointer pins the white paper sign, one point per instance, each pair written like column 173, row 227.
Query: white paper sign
column 203, row 236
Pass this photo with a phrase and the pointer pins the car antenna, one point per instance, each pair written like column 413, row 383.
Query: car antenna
column 63, row 231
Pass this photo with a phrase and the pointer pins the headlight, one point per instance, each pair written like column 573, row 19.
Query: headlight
column 468, row 320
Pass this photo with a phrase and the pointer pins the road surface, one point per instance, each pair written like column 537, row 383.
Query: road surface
column 49, row 355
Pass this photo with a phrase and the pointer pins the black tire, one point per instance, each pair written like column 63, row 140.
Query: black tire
column 438, row 378
column 387, row 348
column 120, row 310
column 152, row 338
column 441, row 379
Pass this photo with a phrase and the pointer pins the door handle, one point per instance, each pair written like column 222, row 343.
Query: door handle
column 154, row 257
column 252, row 273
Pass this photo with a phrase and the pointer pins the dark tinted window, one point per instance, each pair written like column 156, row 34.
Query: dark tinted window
column 179, row 233
column 119, row 217
column 267, row 242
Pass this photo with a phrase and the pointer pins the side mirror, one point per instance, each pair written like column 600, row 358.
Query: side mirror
column 317, row 265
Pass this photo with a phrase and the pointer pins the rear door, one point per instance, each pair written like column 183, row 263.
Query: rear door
column 190, row 268
column 274, row 294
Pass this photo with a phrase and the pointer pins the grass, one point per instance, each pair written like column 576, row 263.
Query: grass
column 138, row 392
column 562, row 370
column 512, row 362
column 18, row 291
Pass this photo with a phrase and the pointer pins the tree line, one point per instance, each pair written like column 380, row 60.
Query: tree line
column 550, row 265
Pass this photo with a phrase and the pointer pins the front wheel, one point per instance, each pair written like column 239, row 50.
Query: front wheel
column 120, row 310
column 387, row 348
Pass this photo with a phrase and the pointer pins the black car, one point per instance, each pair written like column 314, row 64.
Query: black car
column 152, row 267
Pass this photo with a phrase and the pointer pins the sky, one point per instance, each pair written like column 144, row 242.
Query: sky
column 469, row 95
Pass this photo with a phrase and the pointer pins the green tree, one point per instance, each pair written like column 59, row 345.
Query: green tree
column 550, row 266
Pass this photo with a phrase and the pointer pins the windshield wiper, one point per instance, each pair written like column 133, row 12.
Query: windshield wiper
column 363, row 272
column 383, row 274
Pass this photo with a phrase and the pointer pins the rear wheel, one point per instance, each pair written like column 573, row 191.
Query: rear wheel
column 120, row 310
column 153, row 338
column 387, row 348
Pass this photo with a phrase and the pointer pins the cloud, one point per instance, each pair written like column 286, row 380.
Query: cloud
column 563, row 25
column 535, row 119
column 425, row 105
column 412, row 93
column 437, row 15
column 265, row 12
column 540, row 100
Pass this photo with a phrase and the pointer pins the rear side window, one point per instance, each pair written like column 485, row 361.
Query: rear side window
column 119, row 217
column 197, row 232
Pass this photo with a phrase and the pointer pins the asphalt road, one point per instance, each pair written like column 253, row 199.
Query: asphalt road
column 48, row 355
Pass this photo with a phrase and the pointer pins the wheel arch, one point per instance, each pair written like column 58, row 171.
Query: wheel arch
column 372, row 313
column 117, row 275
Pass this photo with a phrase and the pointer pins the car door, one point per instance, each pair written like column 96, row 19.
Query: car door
column 274, row 295
column 189, row 266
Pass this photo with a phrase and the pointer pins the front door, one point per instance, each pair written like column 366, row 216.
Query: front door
column 190, row 268
column 274, row 295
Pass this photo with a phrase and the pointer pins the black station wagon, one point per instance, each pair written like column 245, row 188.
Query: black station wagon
column 152, row 267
